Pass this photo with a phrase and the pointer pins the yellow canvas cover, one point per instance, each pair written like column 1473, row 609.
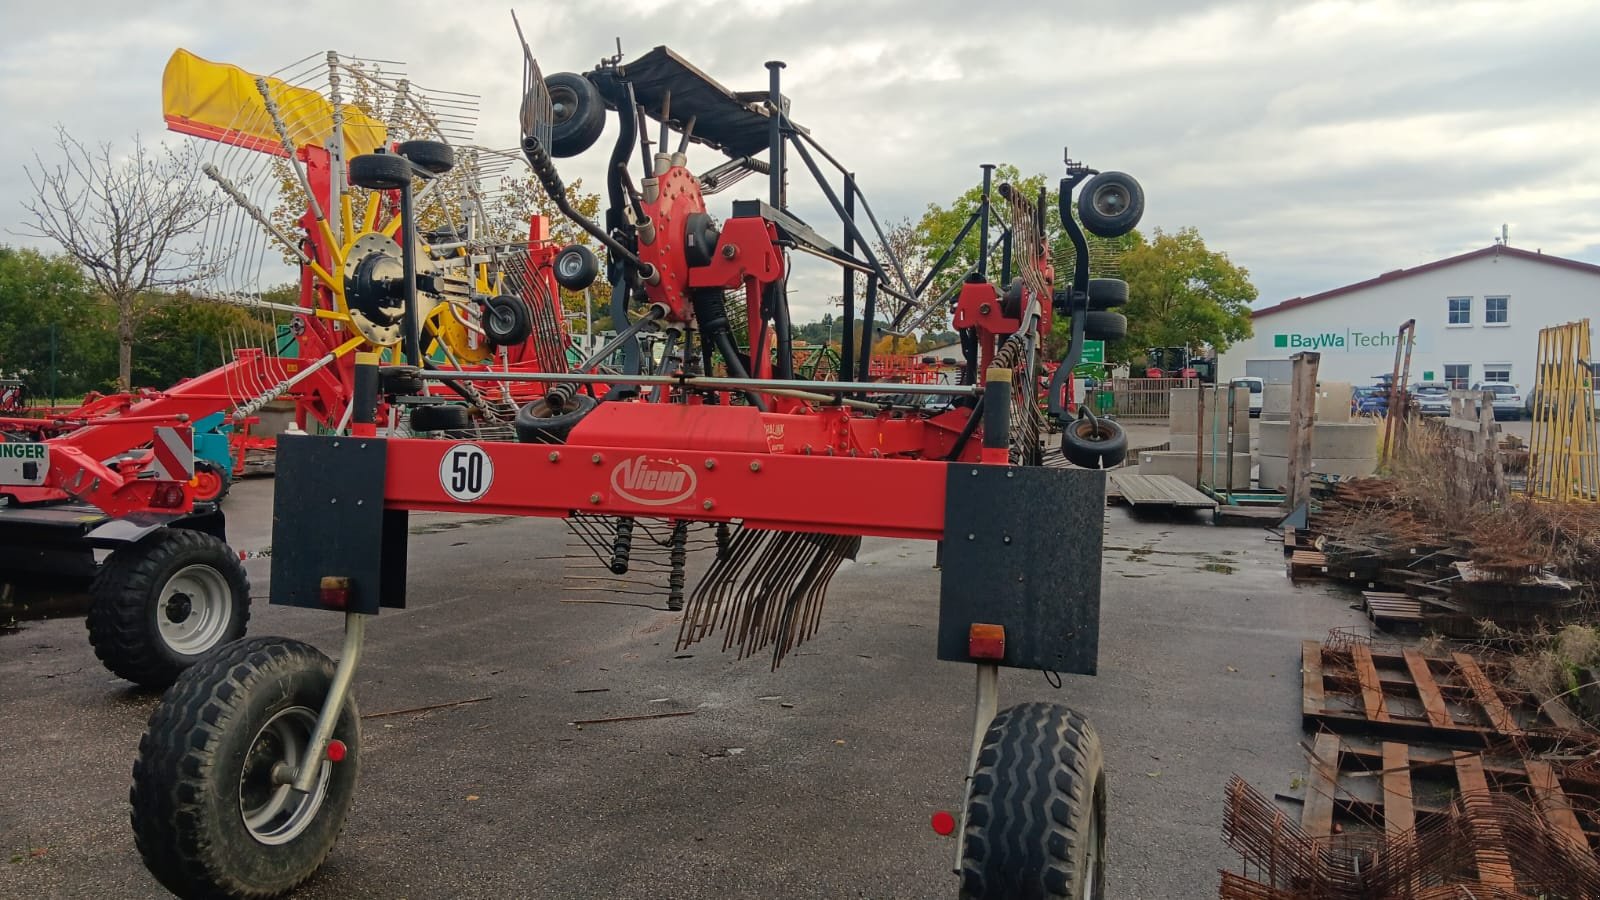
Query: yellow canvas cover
column 220, row 102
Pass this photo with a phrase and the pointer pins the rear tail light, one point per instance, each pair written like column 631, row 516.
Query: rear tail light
column 335, row 592
column 986, row 641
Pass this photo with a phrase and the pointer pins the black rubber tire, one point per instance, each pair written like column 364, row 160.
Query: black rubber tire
column 535, row 425
column 206, row 465
column 1101, row 325
column 125, row 600
column 380, row 172
column 507, row 321
column 1107, row 293
column 1036, row 813
column 186, row 795
column 576, row 267
column 400, row 381
column 580, row 114
column 439, row 417
column 1094, row 444
column 435, row 157
column 1111, row 204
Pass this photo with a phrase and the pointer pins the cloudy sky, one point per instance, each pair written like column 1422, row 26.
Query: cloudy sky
column 1317, row 143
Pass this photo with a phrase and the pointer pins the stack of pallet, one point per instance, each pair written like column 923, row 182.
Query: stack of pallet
column 1424, row 770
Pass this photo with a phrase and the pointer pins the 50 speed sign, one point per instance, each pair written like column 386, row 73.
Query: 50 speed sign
column 466, row 472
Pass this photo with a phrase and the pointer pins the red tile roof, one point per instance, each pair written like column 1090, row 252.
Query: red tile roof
column 1397, row 274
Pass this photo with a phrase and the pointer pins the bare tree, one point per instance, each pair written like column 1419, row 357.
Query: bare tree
column 123, row 219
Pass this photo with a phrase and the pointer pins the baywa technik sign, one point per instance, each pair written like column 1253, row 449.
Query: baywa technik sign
column 1346, row 341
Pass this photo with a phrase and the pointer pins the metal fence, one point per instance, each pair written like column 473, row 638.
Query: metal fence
column 1145, row 399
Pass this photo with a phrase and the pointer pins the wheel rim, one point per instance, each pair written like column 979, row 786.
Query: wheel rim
column 503, row 320
column 273, row 811
column 195, row 609
column 1110, row 200
column 563, row 105
column 570, row 265
column 208, row 484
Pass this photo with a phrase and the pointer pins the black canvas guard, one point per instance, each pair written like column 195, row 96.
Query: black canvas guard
column 328, row 520
column 1022, row 549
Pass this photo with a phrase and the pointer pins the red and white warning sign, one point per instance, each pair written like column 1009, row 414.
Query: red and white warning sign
column 174, row 453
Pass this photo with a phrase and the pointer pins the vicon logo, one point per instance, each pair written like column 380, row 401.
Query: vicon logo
column 653, row 482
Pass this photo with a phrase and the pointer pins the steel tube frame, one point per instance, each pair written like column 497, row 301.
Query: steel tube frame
column 705, row 382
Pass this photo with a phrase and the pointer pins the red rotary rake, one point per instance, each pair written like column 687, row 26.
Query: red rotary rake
column 248, row 769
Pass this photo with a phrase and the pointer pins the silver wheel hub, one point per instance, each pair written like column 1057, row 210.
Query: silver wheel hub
column 194, row 610
column 273, row 811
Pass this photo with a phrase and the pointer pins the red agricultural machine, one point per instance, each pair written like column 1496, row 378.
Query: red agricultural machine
column 108, row 496
column 248, row 769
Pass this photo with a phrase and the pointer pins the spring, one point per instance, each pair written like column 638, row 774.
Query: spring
column 622, row 546
column 678, row 557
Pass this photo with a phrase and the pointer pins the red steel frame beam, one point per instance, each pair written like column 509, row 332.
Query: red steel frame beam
column 778, row 491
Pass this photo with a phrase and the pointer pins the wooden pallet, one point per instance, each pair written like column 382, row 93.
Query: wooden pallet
column 1392, row 611
column 1307, row 564
column 1354, row 784
column 1403, row 695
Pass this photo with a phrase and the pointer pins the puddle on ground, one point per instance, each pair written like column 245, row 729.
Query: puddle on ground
column 1219, row 568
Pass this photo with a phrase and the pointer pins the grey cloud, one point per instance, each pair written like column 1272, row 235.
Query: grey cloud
column 1316, row 143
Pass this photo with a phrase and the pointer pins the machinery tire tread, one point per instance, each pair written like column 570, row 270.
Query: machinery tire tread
column 120, row 619
column 1039, row 780
column 178, row 753
column 440, row 417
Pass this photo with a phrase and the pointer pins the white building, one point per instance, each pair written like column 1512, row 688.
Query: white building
column 1478, row 319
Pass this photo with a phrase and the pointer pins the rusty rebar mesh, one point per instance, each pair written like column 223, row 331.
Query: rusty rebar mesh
column 1483, row 845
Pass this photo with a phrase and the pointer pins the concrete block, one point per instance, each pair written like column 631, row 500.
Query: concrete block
column 1274, row 474
column 1181, row 465
column 1181, row 417
column 1333, row 402
column 1331, row 440
column 1186, row 441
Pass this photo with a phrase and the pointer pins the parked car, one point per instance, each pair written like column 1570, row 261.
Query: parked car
column 1369, row 401
column 1257, row 388
column 1432, row 398
column 1508, row 403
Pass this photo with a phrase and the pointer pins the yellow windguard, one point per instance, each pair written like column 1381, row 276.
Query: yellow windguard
column 220, row 102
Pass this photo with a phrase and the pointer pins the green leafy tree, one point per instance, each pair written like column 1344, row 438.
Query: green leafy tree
column 182, row 336
column 55, row 332
column 1182, row 294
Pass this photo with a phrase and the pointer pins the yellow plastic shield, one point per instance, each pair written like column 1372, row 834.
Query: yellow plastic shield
column 221, row 102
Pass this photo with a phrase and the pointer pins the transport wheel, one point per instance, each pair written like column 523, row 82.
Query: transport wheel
column 443, row 417
column 1100, row 325
column 1107, row 293
column 211, row 484
column 160, row 605
column 507, row 321
column 1111, row 204
column 1094, row 443
column 380, row 171
column 1036, row 816
column 214, row 813
column 400, row 381
column 431, row 156
column 576, row 267
column 537, row 423
column 579, row 113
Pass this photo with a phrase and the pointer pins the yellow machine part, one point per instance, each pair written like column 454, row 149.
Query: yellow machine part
column 221, row 102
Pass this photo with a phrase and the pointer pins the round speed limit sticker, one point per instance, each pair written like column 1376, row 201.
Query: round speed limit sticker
column 466, row 472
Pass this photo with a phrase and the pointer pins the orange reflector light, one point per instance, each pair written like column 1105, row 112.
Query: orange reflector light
column 335, row 592
column 986, row 642
column 944, row 823
column 337, row 750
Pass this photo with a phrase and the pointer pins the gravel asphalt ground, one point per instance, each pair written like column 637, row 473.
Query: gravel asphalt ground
column 816, row 781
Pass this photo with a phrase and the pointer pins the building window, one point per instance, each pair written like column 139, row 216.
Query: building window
column 1494, row 310
column 1458, row 374
column 1496, row 372
column 1460, row 310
